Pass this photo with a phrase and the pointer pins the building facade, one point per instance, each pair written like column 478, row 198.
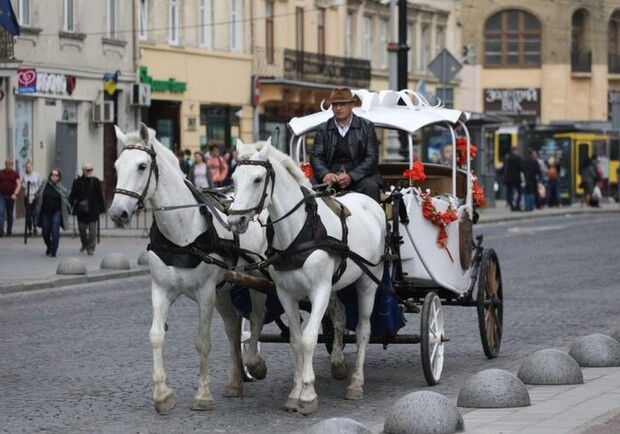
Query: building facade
column 539, row 62
column 55, row 109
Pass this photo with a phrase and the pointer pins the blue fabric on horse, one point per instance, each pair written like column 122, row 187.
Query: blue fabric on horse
column 242, row 303
column 387, row 317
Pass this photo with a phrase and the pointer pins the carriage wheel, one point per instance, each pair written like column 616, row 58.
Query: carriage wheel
column 432, row 338
column 245, row 339
column 490, row 304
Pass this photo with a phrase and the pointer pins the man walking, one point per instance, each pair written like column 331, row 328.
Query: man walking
column 86, row 200
column 9, row 189
column 512, row 178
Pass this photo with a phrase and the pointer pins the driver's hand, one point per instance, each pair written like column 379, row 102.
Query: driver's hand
column 344, row 180
column 330, row 178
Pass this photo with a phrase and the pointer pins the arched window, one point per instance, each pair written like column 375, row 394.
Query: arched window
column 613, row 37
column 581, row 56
column 512, row 40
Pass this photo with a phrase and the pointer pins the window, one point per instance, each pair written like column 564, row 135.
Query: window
column 348, row 35
column 581, row 57
column 512, row 39
column 368, row 38
column 173, row 22
column 413, row 49
column 425, row 52
column 111, row 19
column 68, row 10
column 440, row 39
column 24, row 12
column 236, row 25
column 205, row 15
column 269, row 31
column 299, row 29
column 383, row 43
column 613, row 37
column 321, row 31
column 143, row 20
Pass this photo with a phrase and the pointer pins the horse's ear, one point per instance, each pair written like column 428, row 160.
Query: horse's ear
column 120, row 136
column 144, row 133
column 239, row 146
column 263, row 154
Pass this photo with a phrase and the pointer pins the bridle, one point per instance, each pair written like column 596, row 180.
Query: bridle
column 271, row 176
column 153, row 169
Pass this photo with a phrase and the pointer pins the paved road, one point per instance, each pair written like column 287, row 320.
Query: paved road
column 78, row 358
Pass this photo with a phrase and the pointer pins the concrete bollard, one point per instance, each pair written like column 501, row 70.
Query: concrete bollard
column 550, row 367
column 115, row 261
column 423, row 412
column 143, row 259
column 71, row 266
column 493, row 388
column 338, row 425
column 596, row 351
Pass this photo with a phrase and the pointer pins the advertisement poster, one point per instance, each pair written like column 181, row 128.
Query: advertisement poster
column 26, row 80
column 23, row 134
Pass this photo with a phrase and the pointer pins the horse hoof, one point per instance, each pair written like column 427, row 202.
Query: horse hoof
column 258, row 370
column 166, row 403
column 355, row 393
column 232, row 391
column 308, row 407
column 201, row 404
column 291, row 404
column 340, row 371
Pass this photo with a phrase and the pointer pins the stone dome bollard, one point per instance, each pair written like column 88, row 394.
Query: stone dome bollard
column 493, row 388
column 71, row 266
column 338, row 425
column 143, row 259
column 550, row 367
column 115, row 261
column 596, row 351
column 423, row 412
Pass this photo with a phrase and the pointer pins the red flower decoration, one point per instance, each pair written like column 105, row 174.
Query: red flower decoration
column 307, row 169
column 437, row 218
column 461, row 151
column 416, row 173
column 478, row 195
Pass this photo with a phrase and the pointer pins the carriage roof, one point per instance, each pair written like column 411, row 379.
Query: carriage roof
column 383, row 110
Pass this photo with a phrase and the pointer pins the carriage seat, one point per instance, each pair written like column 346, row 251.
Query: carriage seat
column 438, row 178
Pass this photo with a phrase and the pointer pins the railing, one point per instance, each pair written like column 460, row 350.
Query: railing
column 581, row 61
column 613, row 63
column 7, row 45
column 311, row 67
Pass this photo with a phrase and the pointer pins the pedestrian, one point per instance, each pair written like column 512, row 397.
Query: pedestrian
column 9, row 189
column 52, row 210
column 31, row 181
column 346, row 150
column 512, row 178
column 589, row 178
column 217, row 166
column 183, row 164
column 199, row 174
column 531, row 172
column 553, row 183
column 541, row 190
column 86, row 201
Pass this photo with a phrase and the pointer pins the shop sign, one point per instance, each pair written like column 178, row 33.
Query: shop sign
column 51, row 83
column 170, row 85
column 27, row 80
column 512, row 102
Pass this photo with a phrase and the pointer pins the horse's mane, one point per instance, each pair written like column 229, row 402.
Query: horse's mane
column 134, row 138
column 282, row 158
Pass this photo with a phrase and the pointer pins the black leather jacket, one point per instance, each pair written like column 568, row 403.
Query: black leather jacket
column 363, row 146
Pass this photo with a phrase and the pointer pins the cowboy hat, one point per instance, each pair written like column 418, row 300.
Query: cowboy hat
column 343, row 95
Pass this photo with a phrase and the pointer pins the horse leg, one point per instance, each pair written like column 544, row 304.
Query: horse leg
column 161, row 299
column 366, row 289
column 206, row 301
column 253, row 360
column 339, row 368
column 232, row 326
column 291, row 308
column 308, row 399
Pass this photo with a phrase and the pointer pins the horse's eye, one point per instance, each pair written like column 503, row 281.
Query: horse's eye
column 258, row 180
column 142, row 166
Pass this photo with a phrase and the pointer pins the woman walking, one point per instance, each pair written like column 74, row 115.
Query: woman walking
column 199, row 174
column 52, row 211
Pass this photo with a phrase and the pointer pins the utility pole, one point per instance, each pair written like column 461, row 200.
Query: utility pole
column 403, row 48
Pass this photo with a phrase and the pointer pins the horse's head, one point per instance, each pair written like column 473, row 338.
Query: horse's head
column 253, row 180
column 136, row 173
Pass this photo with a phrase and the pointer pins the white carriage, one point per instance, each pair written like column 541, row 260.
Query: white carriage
column 426, row 269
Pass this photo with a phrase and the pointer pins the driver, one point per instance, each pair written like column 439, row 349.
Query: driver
column 346, row 151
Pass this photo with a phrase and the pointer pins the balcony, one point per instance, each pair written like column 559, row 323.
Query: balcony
column 581, row 61
column 613, row 63
column 7, row 46
column 308, row 67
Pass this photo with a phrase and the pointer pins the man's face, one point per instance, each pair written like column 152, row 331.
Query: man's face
column 447, row 153
column 342, row 110
column 88, row 172
column 8, row 164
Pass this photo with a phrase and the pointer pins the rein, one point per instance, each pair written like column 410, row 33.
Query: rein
column 153, row 169
column 271, row 176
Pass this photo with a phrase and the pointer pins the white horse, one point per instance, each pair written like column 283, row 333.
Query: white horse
column 149, row 173
column 268, row 178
